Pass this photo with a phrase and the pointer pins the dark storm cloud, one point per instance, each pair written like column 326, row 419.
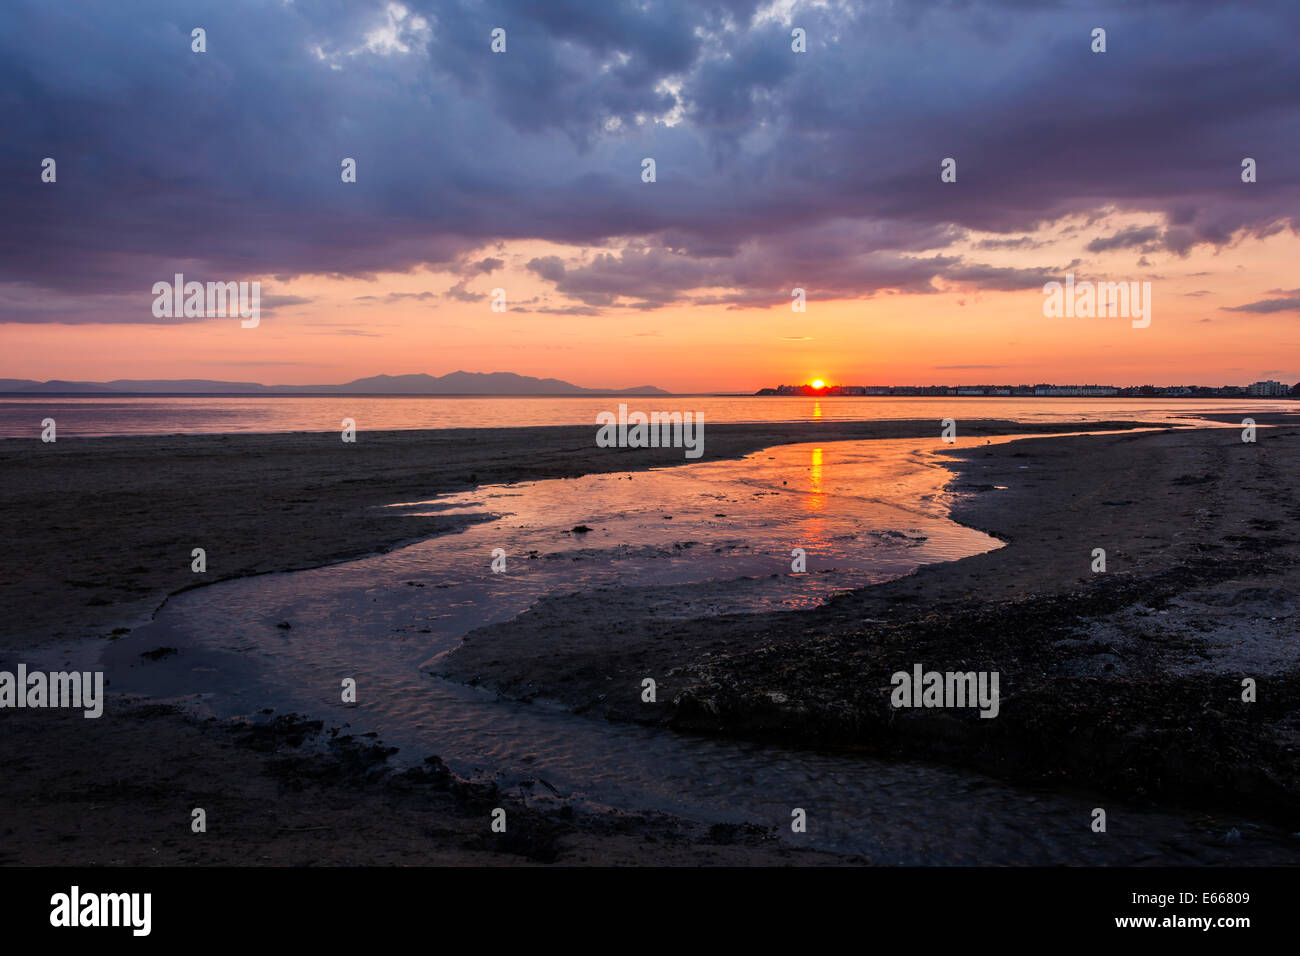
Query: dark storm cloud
column 1267, row 306
column 572, row 310
column 833, row 261
column 1133, row 236
column 1023, row 242
column 461, row 294
column 279, row 301
column 819, row 169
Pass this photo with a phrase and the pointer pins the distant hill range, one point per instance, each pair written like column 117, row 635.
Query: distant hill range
column 453, row 383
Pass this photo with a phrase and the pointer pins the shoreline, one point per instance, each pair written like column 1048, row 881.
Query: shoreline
column 273, row 767
column 308, row 501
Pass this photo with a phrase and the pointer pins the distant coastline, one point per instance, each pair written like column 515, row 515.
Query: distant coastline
column 599, row 393
column 452, row 384
column 1263, row 389
column 592, row 393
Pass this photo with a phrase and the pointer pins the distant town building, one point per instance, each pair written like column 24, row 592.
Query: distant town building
column 1075, row 391
column 1269, row 389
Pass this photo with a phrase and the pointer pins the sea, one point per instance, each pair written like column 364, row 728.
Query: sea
column 93, row 416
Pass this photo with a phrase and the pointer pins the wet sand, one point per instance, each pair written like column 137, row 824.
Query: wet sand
column 1127, row 682
column 106, row 527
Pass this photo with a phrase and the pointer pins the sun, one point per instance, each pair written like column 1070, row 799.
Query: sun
column 818, row 383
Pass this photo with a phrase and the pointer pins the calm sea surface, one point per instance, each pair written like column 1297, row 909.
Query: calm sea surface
column 98, row 416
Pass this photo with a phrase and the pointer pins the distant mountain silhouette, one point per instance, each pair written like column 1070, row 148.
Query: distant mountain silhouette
column 453, row 383
column 474, row 383
column 54, row 385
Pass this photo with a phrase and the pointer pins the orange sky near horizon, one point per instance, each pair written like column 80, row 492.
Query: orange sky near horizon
column 954, row 336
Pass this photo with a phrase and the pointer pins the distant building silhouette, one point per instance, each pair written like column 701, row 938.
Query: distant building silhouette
column 1269, row 389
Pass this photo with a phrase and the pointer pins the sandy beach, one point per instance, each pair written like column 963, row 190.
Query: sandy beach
column 108, row 524
column 1126, row 683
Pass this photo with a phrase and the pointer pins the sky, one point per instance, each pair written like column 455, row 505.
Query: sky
column 774, row 170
